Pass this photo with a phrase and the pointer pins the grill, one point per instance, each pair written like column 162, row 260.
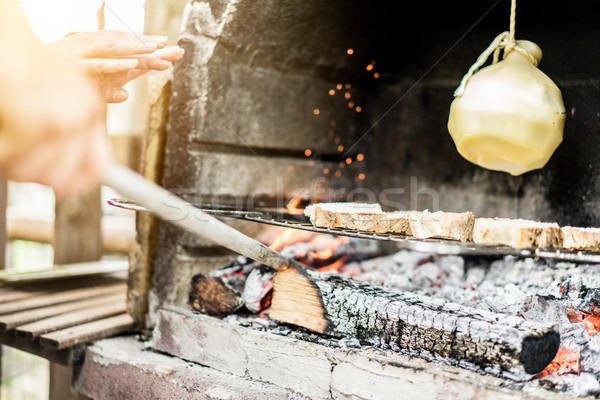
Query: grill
column 436, row 246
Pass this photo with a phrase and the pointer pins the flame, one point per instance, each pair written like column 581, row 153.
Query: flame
column 292, row 205
column 289, row 236
column 590, row 320
column 565, row 362
column 316, row 250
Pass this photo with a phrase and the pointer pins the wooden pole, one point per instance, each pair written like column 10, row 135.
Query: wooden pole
column 144, row 250
column 77, row 238
column 77, row 230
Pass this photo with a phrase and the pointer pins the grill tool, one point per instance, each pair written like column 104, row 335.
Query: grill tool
column 176, row 211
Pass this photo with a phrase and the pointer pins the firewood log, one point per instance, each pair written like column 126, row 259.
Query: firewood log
column 339, row 306
column 214, row 296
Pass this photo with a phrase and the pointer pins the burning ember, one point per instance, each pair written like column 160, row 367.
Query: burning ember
column 590, row 320
column 564, row 294
column 246, row 283
column 322, row 252
column 565, row 362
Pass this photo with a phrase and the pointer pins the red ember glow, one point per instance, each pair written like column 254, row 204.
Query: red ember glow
column 565, row 362
column 313, row 249
column 591, row 320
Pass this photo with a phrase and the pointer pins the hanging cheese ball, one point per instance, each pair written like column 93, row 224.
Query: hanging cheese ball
column 511, row 115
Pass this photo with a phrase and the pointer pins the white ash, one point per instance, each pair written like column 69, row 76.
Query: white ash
column 258, row 284
column 584, row 384
column 536, row 290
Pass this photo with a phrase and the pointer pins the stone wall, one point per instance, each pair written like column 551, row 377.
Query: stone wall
column 252, row 95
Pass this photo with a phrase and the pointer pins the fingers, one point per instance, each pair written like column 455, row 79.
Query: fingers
column 114, row 94
column 111, row 74
column 108, row 44
column 160, row 60
column 170, row 53
column 152, row 62
column 97, row 66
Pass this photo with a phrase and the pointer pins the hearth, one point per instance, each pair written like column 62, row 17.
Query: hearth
column 287, row 103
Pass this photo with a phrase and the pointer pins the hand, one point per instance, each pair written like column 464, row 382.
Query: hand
column 52, row 122
column 113, row 58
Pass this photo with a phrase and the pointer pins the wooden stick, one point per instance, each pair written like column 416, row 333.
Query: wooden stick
column 339, row 306
column 176, row 211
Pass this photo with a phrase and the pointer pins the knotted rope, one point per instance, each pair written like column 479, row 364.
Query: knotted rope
column 505, row 40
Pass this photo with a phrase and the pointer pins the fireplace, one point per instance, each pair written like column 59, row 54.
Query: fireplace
column 279, row 102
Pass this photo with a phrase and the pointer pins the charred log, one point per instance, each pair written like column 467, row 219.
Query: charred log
column 214, row 296
column 339, row 306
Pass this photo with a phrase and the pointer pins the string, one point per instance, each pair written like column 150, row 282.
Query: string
column 504, row 41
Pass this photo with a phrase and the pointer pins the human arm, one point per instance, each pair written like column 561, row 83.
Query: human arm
column 52, row 128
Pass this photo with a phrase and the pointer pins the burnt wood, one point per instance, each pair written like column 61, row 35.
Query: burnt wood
column 214, row 296
column 338, row 306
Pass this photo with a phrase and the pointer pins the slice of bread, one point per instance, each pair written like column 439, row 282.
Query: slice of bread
column 397, row 222
column 581, row 238
column 444, row 225
column 359, row 217
column 519, row 233
column 355, row 216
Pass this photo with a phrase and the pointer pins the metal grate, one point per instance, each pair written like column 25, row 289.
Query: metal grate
column 436, row 246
